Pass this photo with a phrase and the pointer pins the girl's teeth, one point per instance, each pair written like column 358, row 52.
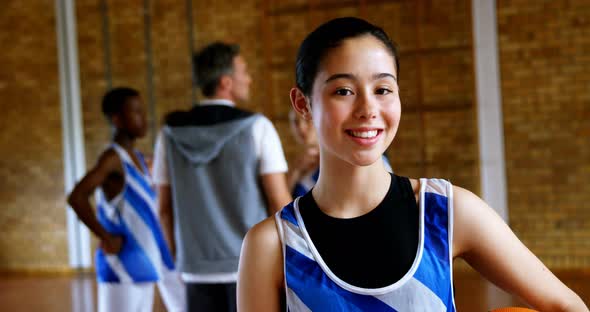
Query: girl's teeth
column 364, row 134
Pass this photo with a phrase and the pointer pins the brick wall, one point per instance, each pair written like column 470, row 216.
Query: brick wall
column 545, row 66
column 544, row 75
column 32, row 215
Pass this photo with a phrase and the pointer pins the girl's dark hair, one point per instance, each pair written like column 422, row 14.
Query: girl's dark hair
column 328, row 36
column 114, row 100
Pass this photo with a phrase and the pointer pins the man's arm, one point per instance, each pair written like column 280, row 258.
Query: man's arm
column 272, row 166
column 165, row 205
column 276, row 191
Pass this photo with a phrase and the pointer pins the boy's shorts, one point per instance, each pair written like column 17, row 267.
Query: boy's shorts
column 114, row 297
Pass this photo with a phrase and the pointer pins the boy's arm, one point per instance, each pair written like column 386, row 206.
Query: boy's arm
column 486, row 242
column 276, row 191
column 167, row 216
column 79, row 199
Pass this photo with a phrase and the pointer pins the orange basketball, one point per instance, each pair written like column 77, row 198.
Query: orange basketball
column 513, row 309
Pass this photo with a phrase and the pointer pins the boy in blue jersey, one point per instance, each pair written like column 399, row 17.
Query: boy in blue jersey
column 364, row 239
column 132, row 254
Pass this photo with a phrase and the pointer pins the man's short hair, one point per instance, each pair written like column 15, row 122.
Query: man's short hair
column 212, row 62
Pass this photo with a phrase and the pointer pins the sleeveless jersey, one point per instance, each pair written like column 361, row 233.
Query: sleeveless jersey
column 132, row 214
column 311, row 286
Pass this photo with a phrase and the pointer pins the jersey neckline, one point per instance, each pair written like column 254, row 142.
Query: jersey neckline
column 141, row 167
column 361, row 290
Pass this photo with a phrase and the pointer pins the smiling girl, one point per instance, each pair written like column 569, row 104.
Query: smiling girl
column 364, row 239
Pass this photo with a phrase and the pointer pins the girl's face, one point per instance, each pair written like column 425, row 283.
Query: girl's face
column 355, row 101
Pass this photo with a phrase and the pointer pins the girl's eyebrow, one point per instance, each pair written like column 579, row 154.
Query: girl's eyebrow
column 353, row 77
column 384, row 75
column 340, row 76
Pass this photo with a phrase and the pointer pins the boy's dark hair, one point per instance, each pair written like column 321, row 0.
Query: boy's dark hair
column 212, row 62
column 328, row 36
column 113, row 100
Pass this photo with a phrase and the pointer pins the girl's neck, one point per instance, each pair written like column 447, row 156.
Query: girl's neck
column 344, row 190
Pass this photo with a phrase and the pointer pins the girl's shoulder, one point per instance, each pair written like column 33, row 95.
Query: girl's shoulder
column 263, row 239
column 261, row 259
column 265, row 233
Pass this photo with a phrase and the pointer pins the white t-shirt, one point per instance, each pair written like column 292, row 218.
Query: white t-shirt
column 269, row 152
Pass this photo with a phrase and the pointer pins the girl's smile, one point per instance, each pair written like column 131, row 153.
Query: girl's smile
column 366, row 136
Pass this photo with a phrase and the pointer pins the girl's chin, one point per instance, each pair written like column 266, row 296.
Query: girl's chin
column 365, row 160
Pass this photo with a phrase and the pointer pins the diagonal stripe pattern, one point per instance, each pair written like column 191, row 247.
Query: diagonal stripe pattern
column 132, row 214
column 311, row 286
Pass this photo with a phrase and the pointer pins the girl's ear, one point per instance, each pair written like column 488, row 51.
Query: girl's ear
column 300, row 103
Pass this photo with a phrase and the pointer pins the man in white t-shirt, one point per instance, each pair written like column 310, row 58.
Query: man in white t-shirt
column 219, row 171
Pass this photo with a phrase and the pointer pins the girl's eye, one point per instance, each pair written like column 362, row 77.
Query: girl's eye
column 383, row 91
column 343, row 92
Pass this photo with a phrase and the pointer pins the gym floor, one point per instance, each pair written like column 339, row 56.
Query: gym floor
column 67, row 292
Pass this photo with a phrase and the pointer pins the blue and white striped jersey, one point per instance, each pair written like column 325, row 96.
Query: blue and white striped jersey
column 311, row 286
column 132, row 214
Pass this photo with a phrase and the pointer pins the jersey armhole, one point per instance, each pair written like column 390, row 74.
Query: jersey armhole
column 281, row 232
column 451, row 223
column 121, row 156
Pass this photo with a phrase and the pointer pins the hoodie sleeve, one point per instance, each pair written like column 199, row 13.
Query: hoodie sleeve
column 160, row 169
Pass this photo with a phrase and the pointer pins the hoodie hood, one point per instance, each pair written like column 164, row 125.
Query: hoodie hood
column 201, row 144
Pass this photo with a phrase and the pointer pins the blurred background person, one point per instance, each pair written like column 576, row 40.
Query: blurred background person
column 220, row 170
column 132, row 253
